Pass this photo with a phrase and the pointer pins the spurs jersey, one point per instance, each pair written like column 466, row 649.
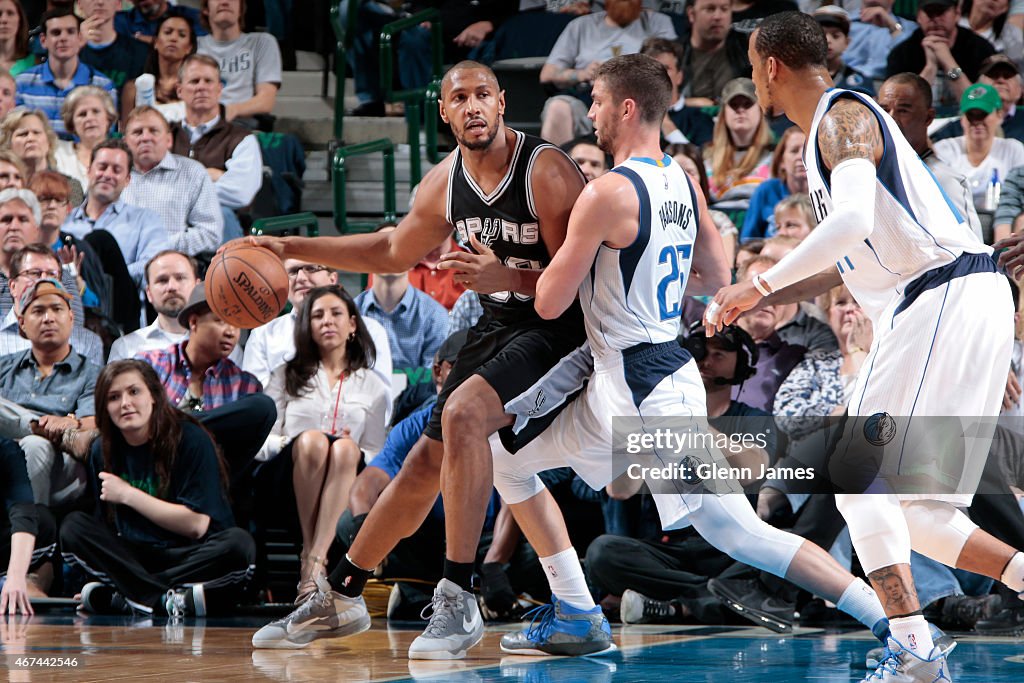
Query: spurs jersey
column 917, row 228
column 634, row 295
column 506, row 221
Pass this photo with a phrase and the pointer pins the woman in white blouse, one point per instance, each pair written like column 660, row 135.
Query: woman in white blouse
column 330, row 411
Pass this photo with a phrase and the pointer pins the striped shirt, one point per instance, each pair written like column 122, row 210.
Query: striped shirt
column 38, row 90
column 223, row 383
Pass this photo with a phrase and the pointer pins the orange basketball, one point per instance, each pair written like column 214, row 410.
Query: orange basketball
column 246, row 286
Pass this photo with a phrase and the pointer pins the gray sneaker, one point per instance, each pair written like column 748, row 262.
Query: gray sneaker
column 561, row 629
column 944, row 642
column 455, row 625
column 903, row 666
column 324, row 614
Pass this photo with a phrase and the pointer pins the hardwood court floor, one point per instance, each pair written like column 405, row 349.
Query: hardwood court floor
column 121, row 649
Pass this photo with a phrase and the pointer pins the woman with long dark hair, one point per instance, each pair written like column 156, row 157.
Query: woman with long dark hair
column 15, row 56
column 175, row 39
column 162, row 537
column 330, row 410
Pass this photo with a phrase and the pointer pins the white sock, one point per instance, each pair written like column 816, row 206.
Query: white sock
column 913, row 634
column 860, row 601
column 565, row 576
column 1013, row 575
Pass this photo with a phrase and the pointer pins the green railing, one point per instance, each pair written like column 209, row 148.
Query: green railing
column 339, row 170
column 292, row 221
column 415, row 99
column 344, row 28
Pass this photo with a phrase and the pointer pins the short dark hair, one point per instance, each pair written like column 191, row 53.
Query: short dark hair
column 653, row 46
column 113, row 143
column 794, row 38
column 639, row 78
column 18, row 257
column 924, row 89
column 468, row 65
column 57, row 13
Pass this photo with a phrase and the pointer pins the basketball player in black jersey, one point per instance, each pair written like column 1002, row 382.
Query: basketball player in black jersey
column 509, row 195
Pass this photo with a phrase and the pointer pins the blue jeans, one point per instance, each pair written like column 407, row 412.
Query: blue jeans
column 232, row 228
column 363, row 54
column 935, row 580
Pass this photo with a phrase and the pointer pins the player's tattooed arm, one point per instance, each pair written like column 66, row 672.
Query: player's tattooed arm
column 849, row 131
column 895, row 587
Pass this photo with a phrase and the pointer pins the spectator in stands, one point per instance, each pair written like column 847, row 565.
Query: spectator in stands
column 746, row 251
column 415, row 323
column 330, row 410
column 142, row 22
column 52, row 191
column 89, row 114
column 946, row 55
column 48, row 395
column 776, row 358
column 584, row 44
column 118, row 56
column 44, row 87
column 988, row 18
column 161, row 538
column 12, row 170
column 1009, row 216
column 788, row 177
column 200, row 377
column 714, row 53
column 874, row 33
column 27, row 533
column 175, row 40
column 176, row 188
column 778, row 246
column 139, row 232
column 439, row 284
column 739, row 156
column 983, row 156
column 794, row 217
column 230, row 152
column 19, row 230
column 250, row 63
column 1003, row 74
column 29, row 135
column 14, row 53
column 835, row 21
column 273, row 344
column 170, row 277
column 907, row 98
column 8, row 91
column 589, row 157
column 691, row 161
column 682, row 124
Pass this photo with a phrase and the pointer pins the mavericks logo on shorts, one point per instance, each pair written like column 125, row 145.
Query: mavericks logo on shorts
column 879, row 429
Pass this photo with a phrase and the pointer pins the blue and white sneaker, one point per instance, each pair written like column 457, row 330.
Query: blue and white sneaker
column 900, row 665
column 561, row 629
column 940, row 639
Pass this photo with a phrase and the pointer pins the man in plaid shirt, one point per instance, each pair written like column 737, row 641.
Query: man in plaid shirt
column 200, row 378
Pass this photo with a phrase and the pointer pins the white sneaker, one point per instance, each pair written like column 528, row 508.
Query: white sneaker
column 455, row 625
column 324, row 614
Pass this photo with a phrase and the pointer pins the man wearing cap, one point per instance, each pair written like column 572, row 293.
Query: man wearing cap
column 200, row 378
column 907, row 98
column 835, row 22
column 1003, row 74
column 873, row 35
column 978, row 152
column 47, row 395
column 946, row 55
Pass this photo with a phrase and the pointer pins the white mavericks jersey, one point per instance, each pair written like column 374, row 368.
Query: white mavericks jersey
column 917, row 228
column 634, row 295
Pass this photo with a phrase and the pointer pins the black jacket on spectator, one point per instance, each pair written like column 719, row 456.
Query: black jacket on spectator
column 697, row 126
column 735, row 50
column 969, row 50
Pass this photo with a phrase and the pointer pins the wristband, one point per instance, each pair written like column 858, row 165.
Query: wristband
column 761, row 286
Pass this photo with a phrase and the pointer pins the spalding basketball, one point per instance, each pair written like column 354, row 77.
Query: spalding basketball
column 246, row 286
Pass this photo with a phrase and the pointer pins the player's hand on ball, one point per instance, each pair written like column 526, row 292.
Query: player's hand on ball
column 482, row 272
column 729, row 303
column 274, row 244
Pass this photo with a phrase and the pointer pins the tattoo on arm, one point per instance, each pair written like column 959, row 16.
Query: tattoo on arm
column 896, row 590
column 849, row 131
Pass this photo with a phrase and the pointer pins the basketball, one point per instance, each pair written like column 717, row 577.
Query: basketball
column 247, row 286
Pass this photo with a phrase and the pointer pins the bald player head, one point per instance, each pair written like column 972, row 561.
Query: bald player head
column 473, row 104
